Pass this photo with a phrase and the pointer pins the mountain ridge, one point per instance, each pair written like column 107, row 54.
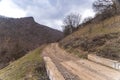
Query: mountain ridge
column 20, row 35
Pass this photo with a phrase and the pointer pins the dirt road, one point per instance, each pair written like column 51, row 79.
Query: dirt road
column 74, row 68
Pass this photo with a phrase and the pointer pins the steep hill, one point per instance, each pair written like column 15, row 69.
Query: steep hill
column 101, row 38
column 18, row 36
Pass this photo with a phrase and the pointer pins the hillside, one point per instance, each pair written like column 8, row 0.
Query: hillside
column 18, row 36
column 99, row 38
column 29, row 67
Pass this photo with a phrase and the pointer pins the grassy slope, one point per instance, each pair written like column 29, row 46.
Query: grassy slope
column 72, row 43
column 29, row 67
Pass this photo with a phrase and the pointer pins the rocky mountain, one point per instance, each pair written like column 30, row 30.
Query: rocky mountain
column 18, row 36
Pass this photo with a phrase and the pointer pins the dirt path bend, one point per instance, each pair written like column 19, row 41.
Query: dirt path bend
column 58, row 56
column 74, row 68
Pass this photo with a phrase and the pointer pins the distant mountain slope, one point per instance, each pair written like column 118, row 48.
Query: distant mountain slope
column 18, row 36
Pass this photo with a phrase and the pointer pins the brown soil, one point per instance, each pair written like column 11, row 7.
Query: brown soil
column 74, row 68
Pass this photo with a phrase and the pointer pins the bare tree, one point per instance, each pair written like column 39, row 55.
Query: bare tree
column 101, row 6
column 116, row 6
column 104, row 9
column 107, row 8
column 71, row 22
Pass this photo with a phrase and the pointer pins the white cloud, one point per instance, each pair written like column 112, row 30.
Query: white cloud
column 88, row 13
column 56, row 24
column 46, row 12
column 9, row 9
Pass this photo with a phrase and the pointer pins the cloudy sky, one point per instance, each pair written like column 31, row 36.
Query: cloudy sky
column 47, row 12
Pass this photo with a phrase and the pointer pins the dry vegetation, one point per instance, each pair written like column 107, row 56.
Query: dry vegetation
column 29, row 67
column 99, row 40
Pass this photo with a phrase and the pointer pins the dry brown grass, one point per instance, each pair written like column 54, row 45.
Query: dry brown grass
column 83, row 35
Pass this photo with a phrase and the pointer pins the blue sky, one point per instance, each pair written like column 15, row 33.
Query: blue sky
column 47, row 12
